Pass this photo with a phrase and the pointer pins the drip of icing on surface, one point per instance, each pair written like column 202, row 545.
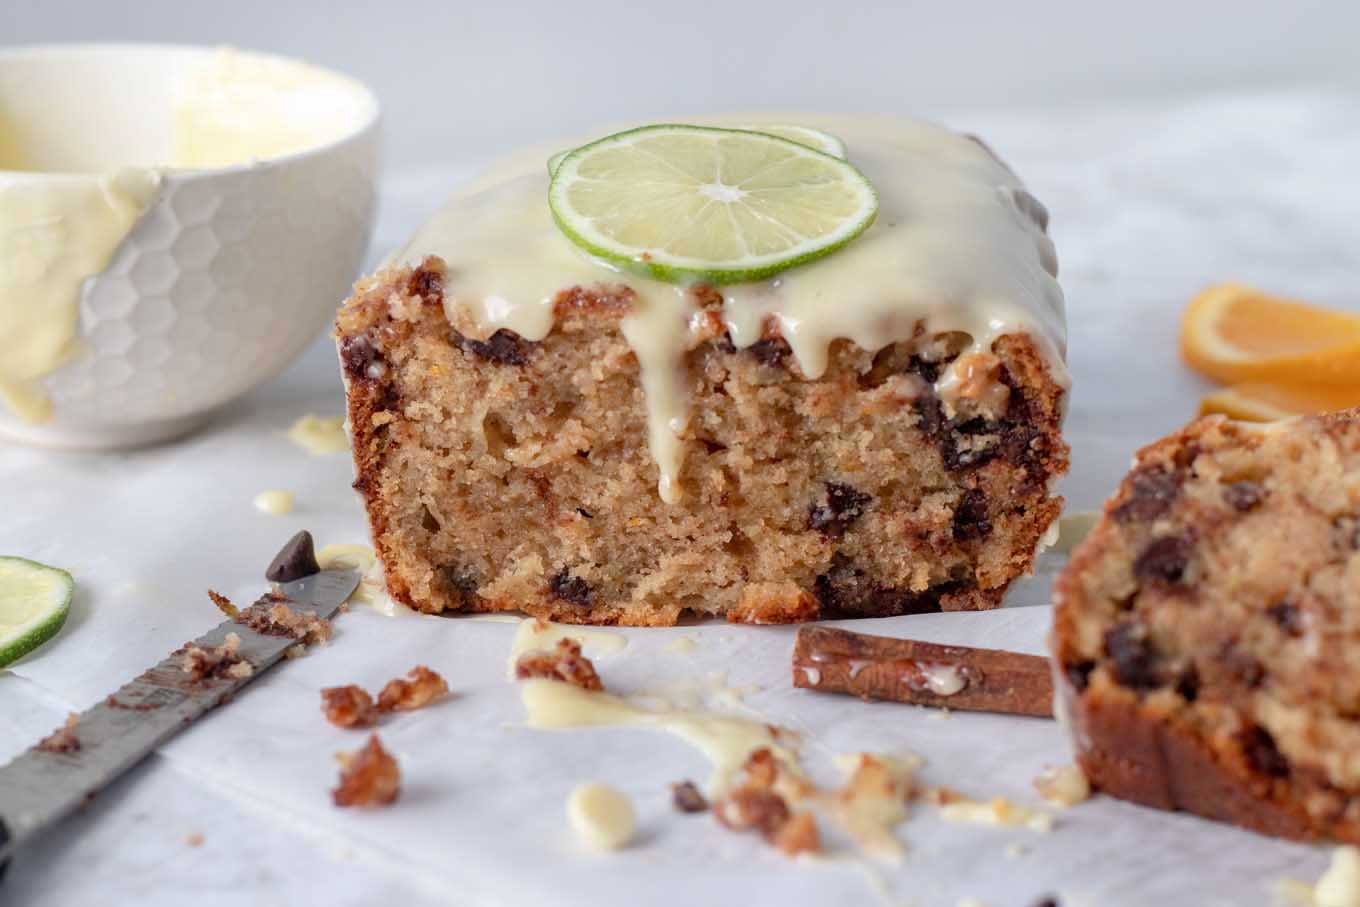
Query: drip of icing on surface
column 319, row 435
column 372, row 589
column 958, row 244
column 277, row 503
column 601, row 815
column 726, row 740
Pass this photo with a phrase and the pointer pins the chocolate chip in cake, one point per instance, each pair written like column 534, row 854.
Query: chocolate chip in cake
column 360, row 357
column 841, row 506
column 459, row 584
column 687, row 798
column 845, row 590
column 1132, row 656
column 426, row 282
column 1244, row 495
column 428, row 521
column 1079, row 674
column 1151, row 494
column 571, row 588
column 295, row 560
column 770, row 351
column 1287, row 616
column 1241, row 668
column 970, row 516
column 1187, row 684
column 1262, row 753
column 1164, row 561
column 504, row 347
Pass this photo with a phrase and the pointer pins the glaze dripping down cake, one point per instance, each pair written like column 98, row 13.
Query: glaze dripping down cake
column 877, row 432
column 1205, row 634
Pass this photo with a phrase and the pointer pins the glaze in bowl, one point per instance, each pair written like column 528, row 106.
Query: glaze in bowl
column 230, row 272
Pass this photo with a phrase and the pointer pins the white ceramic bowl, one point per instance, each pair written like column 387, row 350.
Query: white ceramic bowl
column 229, row 274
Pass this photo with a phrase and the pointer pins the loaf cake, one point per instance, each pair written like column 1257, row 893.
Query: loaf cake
column 877, row 432
column 1206, row 635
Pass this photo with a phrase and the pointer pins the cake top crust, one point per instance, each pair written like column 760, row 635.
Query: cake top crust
column 959, row 245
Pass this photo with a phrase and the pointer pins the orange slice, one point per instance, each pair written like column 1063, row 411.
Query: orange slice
column 1257, row 402
column 1236, row 334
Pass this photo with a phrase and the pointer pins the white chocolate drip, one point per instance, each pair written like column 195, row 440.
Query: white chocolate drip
column 958, row 244
column 726, row 740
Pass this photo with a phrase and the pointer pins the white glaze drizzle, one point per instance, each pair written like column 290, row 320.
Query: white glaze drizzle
column 957, row 244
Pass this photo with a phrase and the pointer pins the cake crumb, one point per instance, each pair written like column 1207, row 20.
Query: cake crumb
column 798, row 835
column 997, row 811
column 272, row 617
column 224, row 604
column 348, row 706
column 194, row 839
column 63, row 739
column 755, row 805
column 1063, row 785
column 368, row 777
column 202, row 663
column 422, row 687
column 296, row 651
column 873, row 801
column 565, row 664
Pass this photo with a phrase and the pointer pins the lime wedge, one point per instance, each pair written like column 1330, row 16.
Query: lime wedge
column 697, row 204
column 824, row 142
column 34, row 602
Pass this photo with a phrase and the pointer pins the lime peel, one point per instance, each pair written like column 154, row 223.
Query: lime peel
column 700, row 204
column 803, row 135
column 35, row 600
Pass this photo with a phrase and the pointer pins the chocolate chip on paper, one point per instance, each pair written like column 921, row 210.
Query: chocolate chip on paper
column 295, row 560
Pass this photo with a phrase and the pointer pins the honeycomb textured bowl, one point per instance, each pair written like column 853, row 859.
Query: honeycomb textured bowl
column 226, row 278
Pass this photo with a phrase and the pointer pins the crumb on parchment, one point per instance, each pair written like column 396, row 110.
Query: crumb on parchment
column 368, row 777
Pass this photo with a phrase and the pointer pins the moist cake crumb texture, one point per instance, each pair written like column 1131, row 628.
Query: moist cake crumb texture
column 1206, row 635
column 503, row 474
column 876, row 432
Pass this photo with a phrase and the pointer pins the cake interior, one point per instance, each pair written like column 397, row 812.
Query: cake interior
column 502, row 473
column 1221, row 598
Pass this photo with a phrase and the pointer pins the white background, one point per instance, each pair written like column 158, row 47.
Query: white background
column 460, row 79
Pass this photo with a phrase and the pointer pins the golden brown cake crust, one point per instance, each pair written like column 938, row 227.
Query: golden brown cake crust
column 1201, row 634
column 504, row 474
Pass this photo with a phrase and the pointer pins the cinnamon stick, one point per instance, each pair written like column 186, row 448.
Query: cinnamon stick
column 922, row 673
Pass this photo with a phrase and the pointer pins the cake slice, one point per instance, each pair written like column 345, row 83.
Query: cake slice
column 874, row 433
column 1208, row 630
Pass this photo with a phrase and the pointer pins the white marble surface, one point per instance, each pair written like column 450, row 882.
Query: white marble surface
column 1148, row 206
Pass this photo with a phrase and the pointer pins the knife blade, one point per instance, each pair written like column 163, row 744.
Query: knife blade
column 39, row 788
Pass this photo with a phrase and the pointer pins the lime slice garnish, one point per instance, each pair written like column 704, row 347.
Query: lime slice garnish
column 692, row 204
column 34, row 602
column 803, row 135
column 824, row 142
